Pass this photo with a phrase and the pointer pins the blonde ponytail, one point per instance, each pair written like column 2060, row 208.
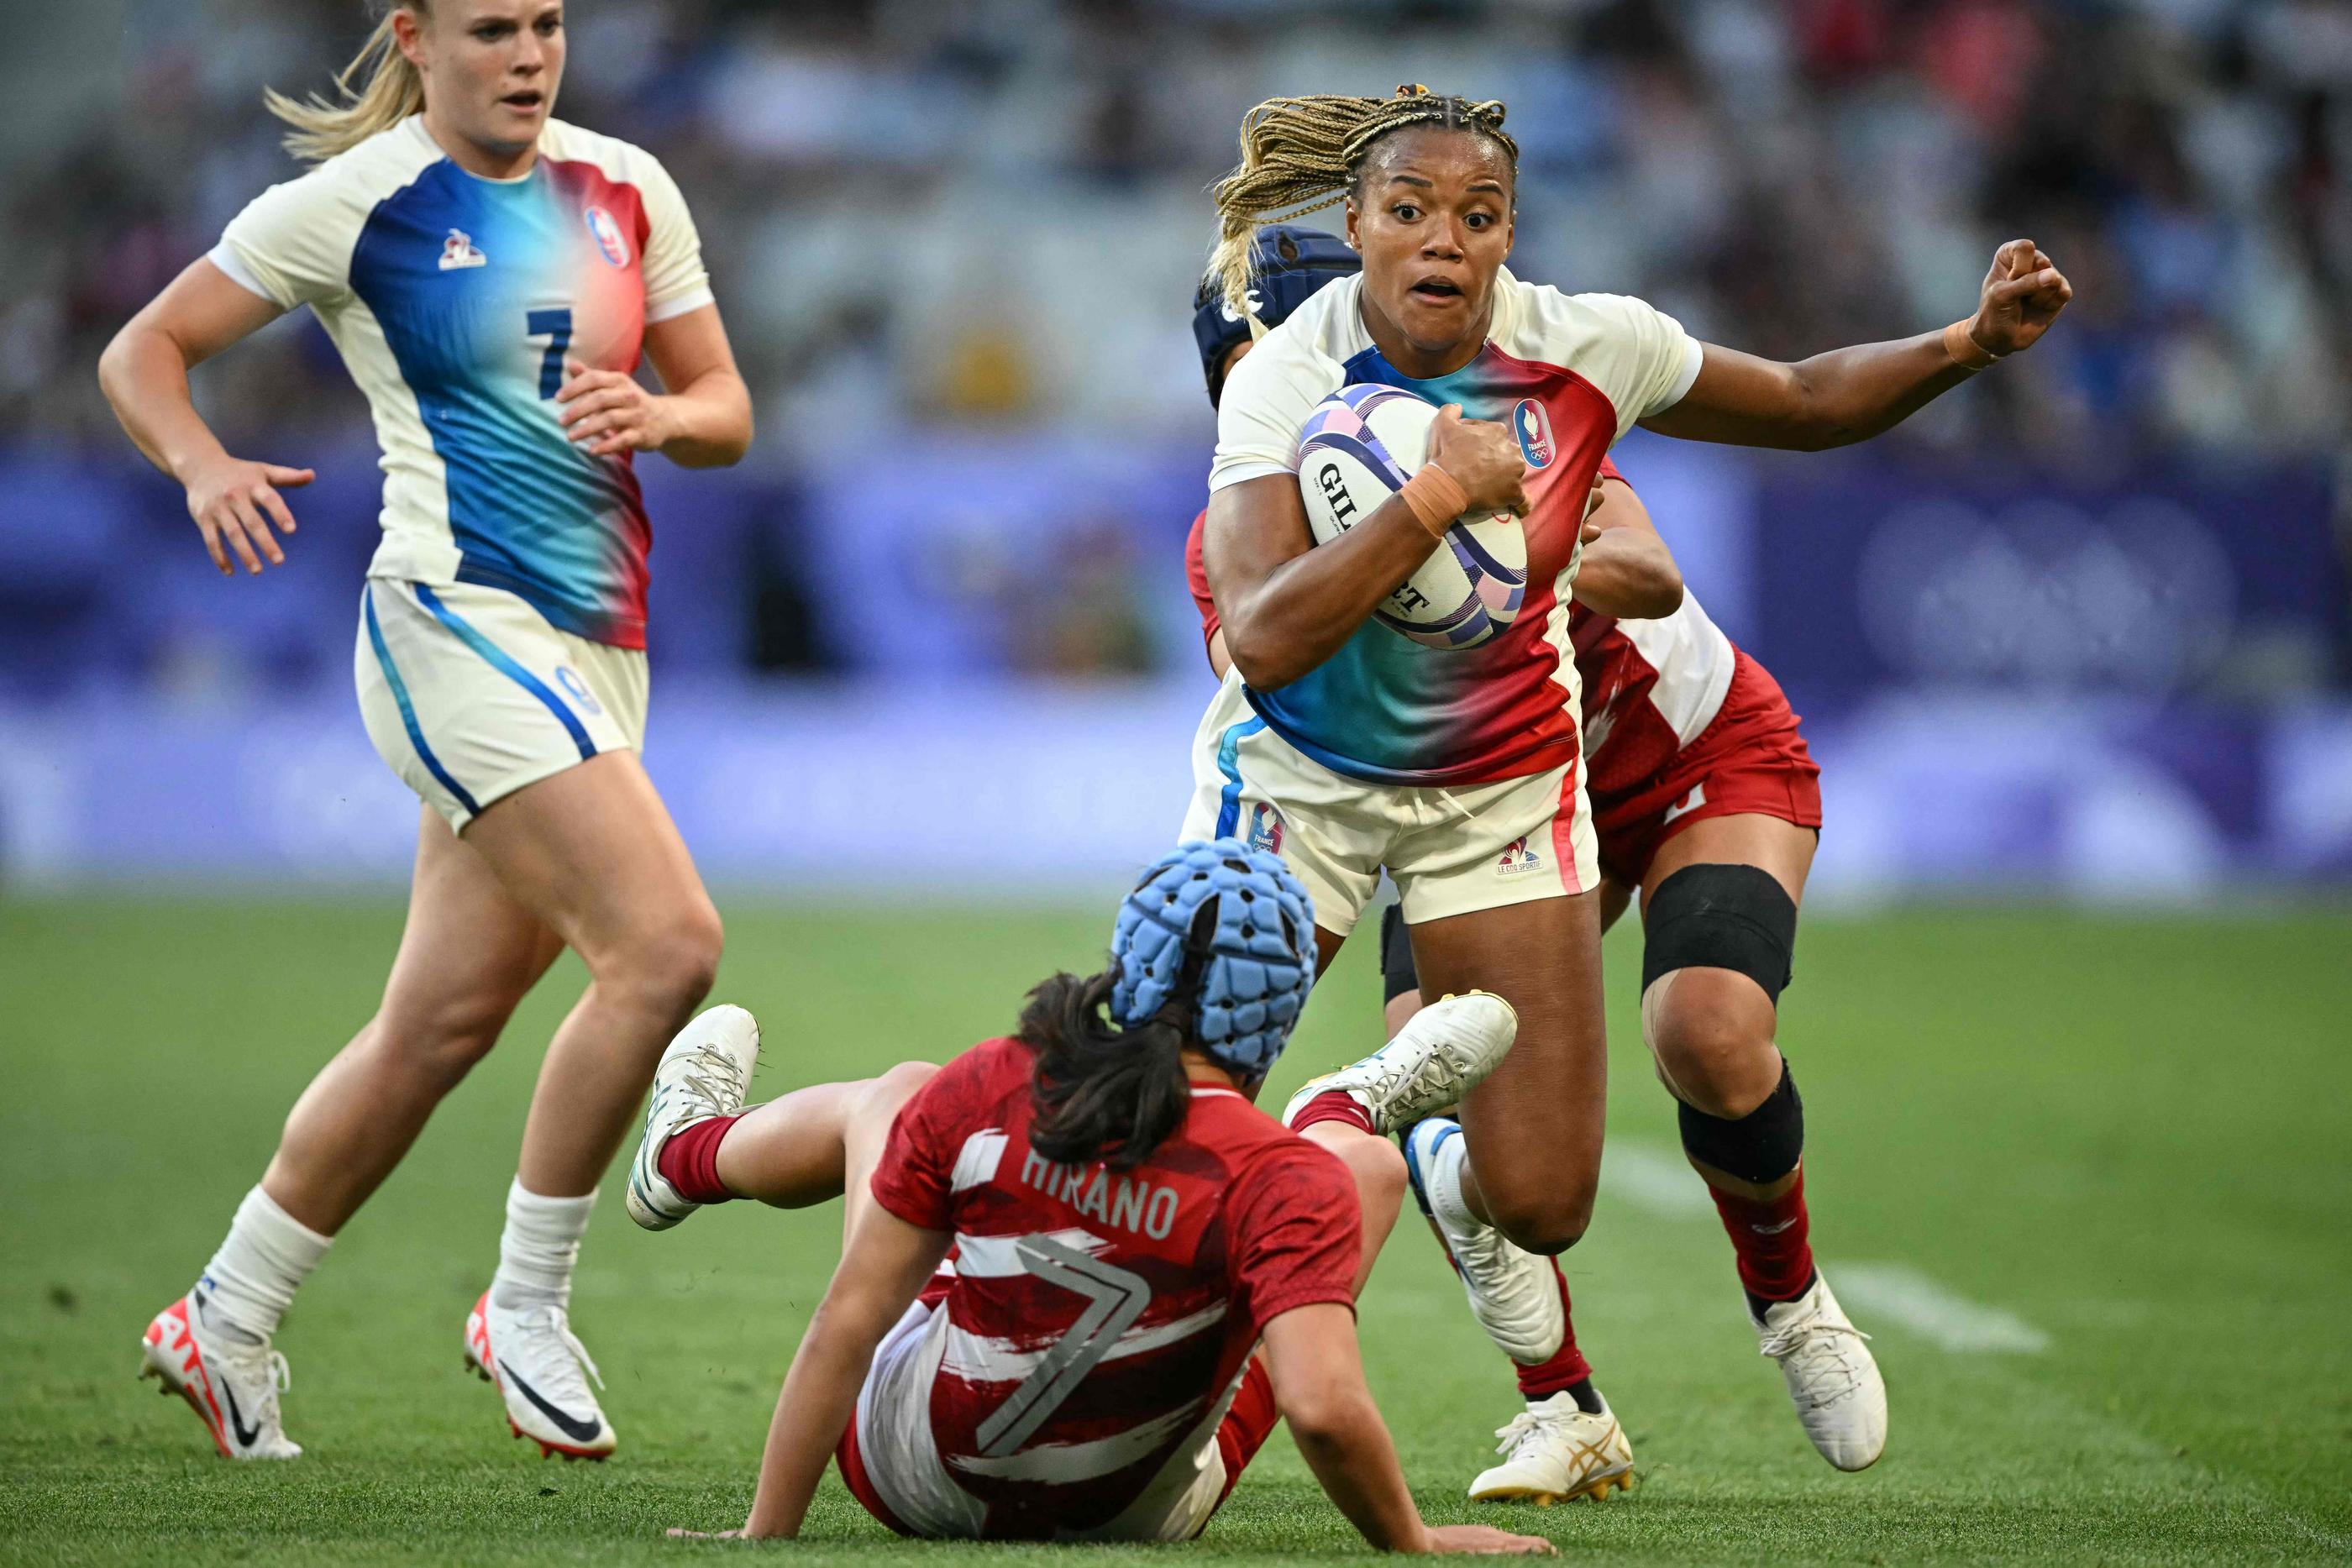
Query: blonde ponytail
column 389, row 90
column 1299, row 152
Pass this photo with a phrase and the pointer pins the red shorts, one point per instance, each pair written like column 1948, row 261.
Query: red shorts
column 1750, row 761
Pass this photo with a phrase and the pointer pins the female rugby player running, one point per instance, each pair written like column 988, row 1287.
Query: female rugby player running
column 491, row 275
column 1127, row 1228
column 1460, row 770
column 1683, row 731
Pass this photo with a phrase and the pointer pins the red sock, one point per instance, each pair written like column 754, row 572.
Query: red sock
column 1333, row 1105
column 1566, row 1367
column 1772, row 1239
column 689, row 1161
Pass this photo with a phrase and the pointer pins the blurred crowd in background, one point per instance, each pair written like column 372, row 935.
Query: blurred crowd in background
column 956, row 246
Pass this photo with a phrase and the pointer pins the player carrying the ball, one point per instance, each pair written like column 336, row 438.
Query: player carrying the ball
column 1696, row 764
column 491, row 275
column 1082, row 1275
column 1461, row 769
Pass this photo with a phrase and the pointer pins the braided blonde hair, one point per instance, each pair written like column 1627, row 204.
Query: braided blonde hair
column 389, row 90
column 1299, row 152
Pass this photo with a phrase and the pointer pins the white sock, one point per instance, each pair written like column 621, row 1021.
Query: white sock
column 541, row 1245
column 264, row 1259
column 1442, row 1183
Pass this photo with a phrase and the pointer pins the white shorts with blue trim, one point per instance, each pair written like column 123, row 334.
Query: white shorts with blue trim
column 1451, row 849
column 469, row 694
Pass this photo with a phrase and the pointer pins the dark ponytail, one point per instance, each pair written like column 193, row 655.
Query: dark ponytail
column 1101, row 1092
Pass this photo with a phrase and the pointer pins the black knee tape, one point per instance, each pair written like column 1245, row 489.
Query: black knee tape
column 1722, row 917
column 1397, row 973
column 1761, row 1147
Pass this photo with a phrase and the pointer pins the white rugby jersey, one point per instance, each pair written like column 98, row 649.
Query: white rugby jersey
column 1570, row 374
column 455, row 300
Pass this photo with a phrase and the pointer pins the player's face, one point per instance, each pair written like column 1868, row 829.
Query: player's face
column 491, row 67
column 1432, row 214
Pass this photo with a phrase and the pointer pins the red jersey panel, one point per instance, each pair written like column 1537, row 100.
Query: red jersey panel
column 1098, row 1321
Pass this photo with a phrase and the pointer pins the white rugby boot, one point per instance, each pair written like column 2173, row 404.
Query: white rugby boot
column 1832, row 1378
column 1554, row 1451
column 706, row 1072
column 1512, row 1292
column 1443, row 1053
column 231, row 1382
column 535, row 1361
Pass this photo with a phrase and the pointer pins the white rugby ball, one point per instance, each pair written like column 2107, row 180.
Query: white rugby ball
column 1358, row 447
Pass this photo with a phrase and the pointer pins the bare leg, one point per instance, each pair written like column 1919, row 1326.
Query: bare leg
column 469, row 955
column 818, row 1144
column 1534, row 1126
column 592, row 853
column 1378, row 1167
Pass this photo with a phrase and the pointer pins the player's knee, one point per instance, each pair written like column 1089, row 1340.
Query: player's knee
column 1712, row 1033
column 1376, row 1165
column 1714, row 962
column 900, row 1084
column 439, row 1042
column 672, row 960
column 1548, row 1220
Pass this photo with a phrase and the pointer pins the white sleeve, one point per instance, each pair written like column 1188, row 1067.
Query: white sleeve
column 1647, row 360
column 675, row 282
column 289, row 245
column 1266, row 404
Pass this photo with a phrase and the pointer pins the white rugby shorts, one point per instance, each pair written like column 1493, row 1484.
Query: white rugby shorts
column 903, row 1465
column 1451, row 849
column 469, row 694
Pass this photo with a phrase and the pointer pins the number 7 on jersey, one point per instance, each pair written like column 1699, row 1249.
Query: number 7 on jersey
column 555, row 326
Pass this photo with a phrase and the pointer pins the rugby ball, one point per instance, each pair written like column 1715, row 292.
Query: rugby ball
column 1358, row 447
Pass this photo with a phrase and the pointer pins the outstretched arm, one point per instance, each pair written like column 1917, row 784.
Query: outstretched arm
column 144, row 374
column 1851, row 394
column 1318, row 1387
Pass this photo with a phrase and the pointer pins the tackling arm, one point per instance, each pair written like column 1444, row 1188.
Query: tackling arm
column 1628, row 572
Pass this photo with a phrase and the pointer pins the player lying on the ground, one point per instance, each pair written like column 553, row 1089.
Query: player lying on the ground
column 1147, row 1270
column 1705, row 797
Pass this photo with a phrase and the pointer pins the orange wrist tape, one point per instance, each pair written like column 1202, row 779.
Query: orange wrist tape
column 1964, row 349
column 1436, row 498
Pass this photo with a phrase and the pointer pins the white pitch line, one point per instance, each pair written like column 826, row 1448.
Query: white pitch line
column 1909, row 1297
column 1649, row 1177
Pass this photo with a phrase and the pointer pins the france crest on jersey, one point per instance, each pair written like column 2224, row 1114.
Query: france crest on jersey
column 456, row 300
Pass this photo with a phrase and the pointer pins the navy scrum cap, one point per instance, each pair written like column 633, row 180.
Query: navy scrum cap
column 1287, row 264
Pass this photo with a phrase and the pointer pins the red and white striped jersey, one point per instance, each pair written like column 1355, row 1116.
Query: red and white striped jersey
column 1647, row 688
column 1097, row 1322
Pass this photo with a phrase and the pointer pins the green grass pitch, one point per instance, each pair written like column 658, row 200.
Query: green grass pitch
column 2086, row 1179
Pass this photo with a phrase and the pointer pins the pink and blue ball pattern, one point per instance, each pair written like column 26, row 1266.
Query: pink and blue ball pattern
column 1341, row 422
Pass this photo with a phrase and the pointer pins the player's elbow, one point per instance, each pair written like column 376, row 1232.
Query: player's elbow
column 1266, row 661
column 1656, row 587
column 114, row 365
column 1327, row 1415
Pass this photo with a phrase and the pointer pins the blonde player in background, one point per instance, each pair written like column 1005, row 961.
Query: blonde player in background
column 491, row 276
